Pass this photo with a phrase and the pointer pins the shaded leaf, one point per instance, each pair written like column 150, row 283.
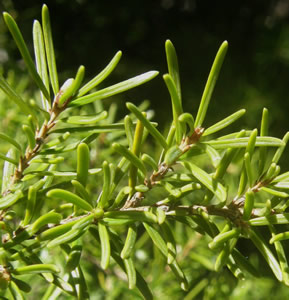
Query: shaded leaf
column 136, row 149
column 244, row 263
column 267, row 254
column 30, row 136
column 157, row 239
column 80, row 189
column 106, row 185
column 10, row 141
column 131, row 273
column 213, row 185
column 11, row 93
column 150, row 161
column 249, row 204
column 140, row 282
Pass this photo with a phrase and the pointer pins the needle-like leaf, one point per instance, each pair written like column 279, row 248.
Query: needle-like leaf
column 211, row 82
column 147, row 124
column 82, row 163
column 40, row 61
column 18, row 38
column 263, row 132
column 11, row 141
column 176, row 106
column 225, row 122
column 69, row 197
column 130, row 156
column 261, row 141
column 207, row 180
column 12, row 95
column 115, row 89
column 267, row 254
column 105, row 245
column 101, row 76
column 51, row 62
column 173, row 66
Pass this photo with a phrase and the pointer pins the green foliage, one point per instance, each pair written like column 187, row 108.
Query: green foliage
column 86, row 199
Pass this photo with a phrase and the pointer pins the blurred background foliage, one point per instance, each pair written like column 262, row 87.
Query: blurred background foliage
column 254, row 75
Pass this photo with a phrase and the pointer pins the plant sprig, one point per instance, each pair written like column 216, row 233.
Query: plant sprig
column 121, row 193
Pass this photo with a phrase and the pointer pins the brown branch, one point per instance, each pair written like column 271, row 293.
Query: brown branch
column 186, row 144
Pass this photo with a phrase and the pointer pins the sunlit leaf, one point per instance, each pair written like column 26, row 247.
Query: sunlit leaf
column 210, row 85
column 101, row 76
column 85, row 120
column 8, row 170
column 173, row 66
column 51, row 62
column 225, row 122
column 147, row 124
column 10, row 199
column 69, row 197
column 115, row 89
column 130, row 156
column 271, row 219
column 274, row 192
column 105, row 245
column 18, row 38
column 261, row 141
column 263, row 132
column 176, row 105
column 70, row 87
column 82, row 163
column 40, row 61
column 280, row 150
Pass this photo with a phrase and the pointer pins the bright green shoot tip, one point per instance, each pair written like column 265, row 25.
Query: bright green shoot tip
column 173, row 66
column 210, row 85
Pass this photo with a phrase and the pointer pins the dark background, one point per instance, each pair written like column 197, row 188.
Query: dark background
column 255, row 73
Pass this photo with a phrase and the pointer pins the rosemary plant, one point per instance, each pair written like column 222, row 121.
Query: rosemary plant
column 72, row 222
